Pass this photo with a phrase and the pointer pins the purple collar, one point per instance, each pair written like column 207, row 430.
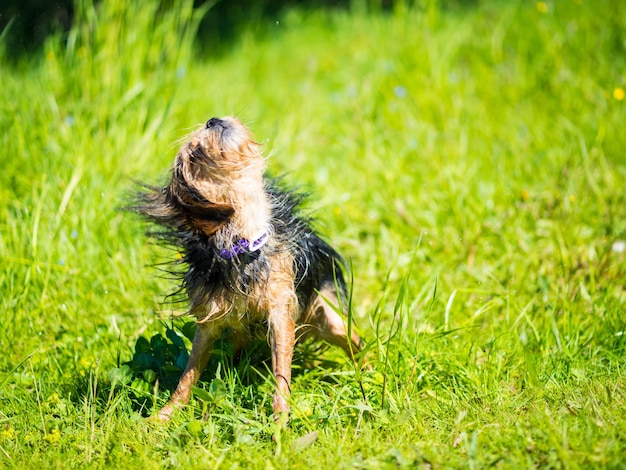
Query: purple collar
column 245, row 246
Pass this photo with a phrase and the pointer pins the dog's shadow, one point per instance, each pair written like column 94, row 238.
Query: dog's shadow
column 252, row 365
column 253, row 362
column 249, row 367
column 250, row 370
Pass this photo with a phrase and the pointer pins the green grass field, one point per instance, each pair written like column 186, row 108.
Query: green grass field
column 470, row 163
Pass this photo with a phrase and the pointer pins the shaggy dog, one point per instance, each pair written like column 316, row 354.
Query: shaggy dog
column 250, row 257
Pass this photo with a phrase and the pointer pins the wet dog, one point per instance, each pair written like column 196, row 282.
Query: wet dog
column 251, row 258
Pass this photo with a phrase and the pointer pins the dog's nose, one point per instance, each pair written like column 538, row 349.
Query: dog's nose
column 213, row 122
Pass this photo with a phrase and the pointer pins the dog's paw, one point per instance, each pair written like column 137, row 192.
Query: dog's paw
column 164, row 414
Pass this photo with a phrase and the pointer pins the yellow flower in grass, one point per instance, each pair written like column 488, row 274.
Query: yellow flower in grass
column 8, row 433
column 619, row 94
column 542, row 7
column 53, row 436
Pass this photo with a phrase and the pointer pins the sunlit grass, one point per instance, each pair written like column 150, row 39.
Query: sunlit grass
column 469, row 163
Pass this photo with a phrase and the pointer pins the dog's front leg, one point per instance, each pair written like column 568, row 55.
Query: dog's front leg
column 200, row 353
column 282, row 340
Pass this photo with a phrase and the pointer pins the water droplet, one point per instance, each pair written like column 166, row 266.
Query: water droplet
column 400, row 91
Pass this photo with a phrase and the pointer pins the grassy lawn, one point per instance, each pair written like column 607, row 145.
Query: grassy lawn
column 468, row 160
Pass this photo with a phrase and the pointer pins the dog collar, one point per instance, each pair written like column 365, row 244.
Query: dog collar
column 245, row 246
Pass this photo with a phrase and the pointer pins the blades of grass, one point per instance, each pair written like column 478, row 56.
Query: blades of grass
column 446, row 322
column 359, row 363
column 399, row 311
column 37, row 219
column 20, row 364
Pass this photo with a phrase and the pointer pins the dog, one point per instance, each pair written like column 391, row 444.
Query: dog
column 251, row 258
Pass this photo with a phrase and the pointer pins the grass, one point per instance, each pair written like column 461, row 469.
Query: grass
column 467, row 160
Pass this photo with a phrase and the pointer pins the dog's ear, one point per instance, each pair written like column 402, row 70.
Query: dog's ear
column 202, row 215
column 208, row 217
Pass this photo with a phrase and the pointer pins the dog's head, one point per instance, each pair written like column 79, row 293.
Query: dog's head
column 218, row 152
column 210, row 170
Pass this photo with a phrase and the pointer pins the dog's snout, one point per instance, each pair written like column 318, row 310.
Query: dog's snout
column 214, row 122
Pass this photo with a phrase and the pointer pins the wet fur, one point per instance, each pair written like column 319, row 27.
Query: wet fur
column 316, row 262
column 218, row 194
